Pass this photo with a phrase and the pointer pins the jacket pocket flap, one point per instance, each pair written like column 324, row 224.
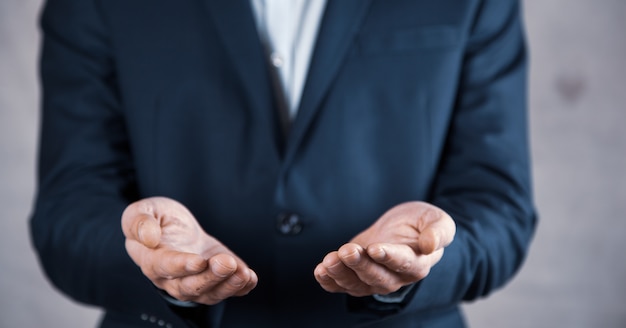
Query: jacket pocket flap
column 408, row 40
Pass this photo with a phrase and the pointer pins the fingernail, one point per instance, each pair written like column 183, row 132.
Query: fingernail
column 322, row 274
column 335, row 265
column 140, row 232
column 351, row 258
column 236, row 281
column 377, row 253
column 222, row 270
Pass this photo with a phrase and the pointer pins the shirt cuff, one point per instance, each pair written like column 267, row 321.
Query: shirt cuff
column 395, row 297
column 172, row 301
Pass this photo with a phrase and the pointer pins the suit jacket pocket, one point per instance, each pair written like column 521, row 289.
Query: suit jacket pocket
column 408, row 40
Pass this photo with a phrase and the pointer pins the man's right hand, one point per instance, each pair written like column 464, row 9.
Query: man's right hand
column 166, row 241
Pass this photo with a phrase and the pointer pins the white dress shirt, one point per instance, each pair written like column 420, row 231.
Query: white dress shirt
column 288, row 29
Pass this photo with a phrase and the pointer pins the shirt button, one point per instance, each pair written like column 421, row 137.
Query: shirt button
column 277, row 60
column 289, row 224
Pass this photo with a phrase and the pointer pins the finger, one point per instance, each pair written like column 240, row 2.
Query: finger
column 252, row 282
column 200, row 287
column 222, row 265
column 437, row 230
column 228, row 277
column 402, row 260
column 351, row 254
column 370, row 272
column 356, row 258
column 204, row 289
column 234, row 285
column 169, row 264
column 343, row 276
column 326, row 282
column 143, row 228
column 162, row 265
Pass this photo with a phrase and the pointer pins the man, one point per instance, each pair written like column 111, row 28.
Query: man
column 377, row 184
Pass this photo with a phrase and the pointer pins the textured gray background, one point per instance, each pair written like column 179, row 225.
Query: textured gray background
column 576, row 271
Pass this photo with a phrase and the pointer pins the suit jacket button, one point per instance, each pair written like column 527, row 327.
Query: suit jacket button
column 289, row 224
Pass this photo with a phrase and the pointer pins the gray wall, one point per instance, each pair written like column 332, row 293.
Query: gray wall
column 574, row 276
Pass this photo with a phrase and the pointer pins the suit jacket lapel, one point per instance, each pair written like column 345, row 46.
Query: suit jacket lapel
column 236, row 26
column 339, row 25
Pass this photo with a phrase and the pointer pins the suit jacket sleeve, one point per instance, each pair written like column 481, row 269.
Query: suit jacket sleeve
column 483, row 178
column 85, row 170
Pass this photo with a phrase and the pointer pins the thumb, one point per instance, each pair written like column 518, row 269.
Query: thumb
column 438, row 233
column 149, row 231
column 143, row 228
column 428, row 241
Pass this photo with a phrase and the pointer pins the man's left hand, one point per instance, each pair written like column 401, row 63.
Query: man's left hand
column 399, row 249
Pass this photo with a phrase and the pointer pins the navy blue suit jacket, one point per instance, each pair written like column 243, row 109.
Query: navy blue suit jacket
column 404, row 100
